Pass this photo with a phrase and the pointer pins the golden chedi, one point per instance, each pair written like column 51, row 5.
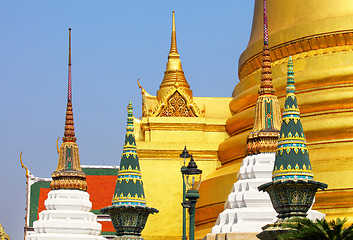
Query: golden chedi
column 318, row 34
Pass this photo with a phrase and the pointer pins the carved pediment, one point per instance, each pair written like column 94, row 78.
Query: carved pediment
column 176, row 104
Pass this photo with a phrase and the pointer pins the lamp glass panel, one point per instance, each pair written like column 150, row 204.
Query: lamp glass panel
column 192, row 181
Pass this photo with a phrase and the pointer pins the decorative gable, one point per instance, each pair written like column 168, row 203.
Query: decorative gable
column 176, row 104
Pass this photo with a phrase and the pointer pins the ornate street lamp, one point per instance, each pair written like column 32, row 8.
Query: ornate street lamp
column 192, row 179
column 183, row 157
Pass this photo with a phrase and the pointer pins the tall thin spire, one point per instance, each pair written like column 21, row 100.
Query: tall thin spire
column 69, row 92
column 174, row 74
column 264, row 135
column 68, row 174
column 69, row 123
column 266, row 86
column 173, row 45
column 265, row 24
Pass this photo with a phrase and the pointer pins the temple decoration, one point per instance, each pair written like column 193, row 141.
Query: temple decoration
column 27, row 194
column 292, row 143
column 174, row 72
column 68, row 174
column 293, row 188
column 3, row 235
column 176, row 103
column 174, row 97
column 320, row 42
column 143, row 93
column 246, row 209
column 129, row 186
column 170, row 120
column 128, row 211
column 265, row 132
column 67, row 214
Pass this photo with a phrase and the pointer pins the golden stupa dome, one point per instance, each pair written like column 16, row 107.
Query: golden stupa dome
column 318, row 34
column 291, row 20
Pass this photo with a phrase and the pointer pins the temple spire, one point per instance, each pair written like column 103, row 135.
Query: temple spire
column 264, row 135
column 68, row 174
column 69, row 92
column 129, row 185
column 292, row 158
column 173, row 45
column 69, row 134
column 266, row 86
column 292, row 189
column 265, row 24
column 174, row 74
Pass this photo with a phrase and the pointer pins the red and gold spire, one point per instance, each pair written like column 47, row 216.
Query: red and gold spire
column 68, row 174
column 174, row 74
column 69, row 122
column 266, row 86
column 264, row 135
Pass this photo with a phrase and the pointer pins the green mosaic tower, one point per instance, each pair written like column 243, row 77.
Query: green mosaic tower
column 129, row 185
column 292, row 157
column 292, row 189
column 128, row 211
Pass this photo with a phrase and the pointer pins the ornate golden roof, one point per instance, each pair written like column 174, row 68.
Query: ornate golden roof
column 174, row 73
column 176, row 103
column 174, row 97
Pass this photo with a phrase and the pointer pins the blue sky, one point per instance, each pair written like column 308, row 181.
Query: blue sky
column 113, row 44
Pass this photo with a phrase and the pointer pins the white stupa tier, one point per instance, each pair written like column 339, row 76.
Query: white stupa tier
column 246, row 209
column 67, row 217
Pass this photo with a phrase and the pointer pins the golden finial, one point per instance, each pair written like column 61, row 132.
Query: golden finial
column 173, row 45
column 57, row 145
column 174, row 71
column 23, row 166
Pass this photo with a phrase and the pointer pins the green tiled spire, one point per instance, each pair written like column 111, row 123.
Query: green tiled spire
column 292, row 157
column 129, row 185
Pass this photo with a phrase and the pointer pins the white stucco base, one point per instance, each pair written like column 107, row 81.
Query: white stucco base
column 246, row 209
column 67, row 217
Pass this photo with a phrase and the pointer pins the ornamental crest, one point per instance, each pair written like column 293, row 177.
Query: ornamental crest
column 176, row 104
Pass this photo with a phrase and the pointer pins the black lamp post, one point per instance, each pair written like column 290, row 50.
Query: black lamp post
column 183, row 157
column 192, row 178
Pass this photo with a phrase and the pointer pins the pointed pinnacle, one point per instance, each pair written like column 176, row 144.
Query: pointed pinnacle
column 173, row 45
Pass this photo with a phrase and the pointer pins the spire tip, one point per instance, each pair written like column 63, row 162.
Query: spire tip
column 69, row 93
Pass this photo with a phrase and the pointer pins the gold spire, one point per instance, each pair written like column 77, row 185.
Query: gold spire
column 267, row 122
column 174, row 74
column 173, row 45
column 68, row 174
